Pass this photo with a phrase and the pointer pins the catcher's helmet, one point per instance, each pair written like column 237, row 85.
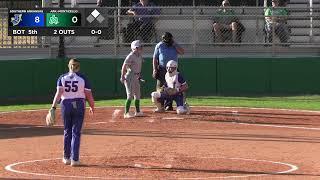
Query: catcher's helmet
column 172, row 67
column 167, row 38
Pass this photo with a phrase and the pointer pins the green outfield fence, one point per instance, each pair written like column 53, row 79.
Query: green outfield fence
column 35, row 80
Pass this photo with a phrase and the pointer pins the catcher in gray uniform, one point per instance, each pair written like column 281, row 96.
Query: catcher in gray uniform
column 131, row 77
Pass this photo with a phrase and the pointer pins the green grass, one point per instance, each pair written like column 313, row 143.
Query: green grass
column 292, row 102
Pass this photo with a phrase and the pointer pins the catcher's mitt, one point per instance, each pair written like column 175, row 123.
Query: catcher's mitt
column 51, row 117
column 171, row 91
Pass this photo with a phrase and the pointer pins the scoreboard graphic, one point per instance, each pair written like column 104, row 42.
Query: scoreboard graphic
column 56, row 22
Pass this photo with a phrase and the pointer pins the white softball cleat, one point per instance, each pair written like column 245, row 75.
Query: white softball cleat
column 75, row 163
column 138, row 114
column 128, row 115
column 66, row 161
column 158, row 110
column 186, row 105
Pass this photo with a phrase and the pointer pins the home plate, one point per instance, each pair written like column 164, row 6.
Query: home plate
column 173, row 118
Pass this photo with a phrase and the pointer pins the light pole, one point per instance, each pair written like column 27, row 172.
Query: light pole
column 61, row 49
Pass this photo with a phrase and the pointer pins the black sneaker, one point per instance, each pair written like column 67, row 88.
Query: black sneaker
column 169, row 108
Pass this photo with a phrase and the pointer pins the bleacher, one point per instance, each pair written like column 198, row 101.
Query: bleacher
column 195, row 32
column 182, row 27
column 300, row 27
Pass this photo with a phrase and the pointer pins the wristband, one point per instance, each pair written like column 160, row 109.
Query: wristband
column 53, row 107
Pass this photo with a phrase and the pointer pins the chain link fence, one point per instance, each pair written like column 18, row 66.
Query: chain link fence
column 16, row 42
column 201, row 30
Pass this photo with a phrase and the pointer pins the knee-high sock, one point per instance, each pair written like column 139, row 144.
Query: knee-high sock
column 128, row 103
column 137, row 104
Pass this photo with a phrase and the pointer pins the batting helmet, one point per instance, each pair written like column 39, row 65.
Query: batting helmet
column 167, row 38
column 135, row 44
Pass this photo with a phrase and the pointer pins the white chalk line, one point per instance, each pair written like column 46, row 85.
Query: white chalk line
column 96, row 123
column 292, row 168
column 28, row 127
column 173, row 118
column 217, row 107
column 279, row 126
column 265, row 125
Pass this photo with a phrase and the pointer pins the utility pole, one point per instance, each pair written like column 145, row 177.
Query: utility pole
column 61, row 49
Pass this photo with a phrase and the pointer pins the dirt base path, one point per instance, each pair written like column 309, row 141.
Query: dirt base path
column 210, row 143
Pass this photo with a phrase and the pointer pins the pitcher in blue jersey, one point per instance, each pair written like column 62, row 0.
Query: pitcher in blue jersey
column 73, row 89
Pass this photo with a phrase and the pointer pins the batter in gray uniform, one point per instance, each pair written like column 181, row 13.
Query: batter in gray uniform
column 130, row 77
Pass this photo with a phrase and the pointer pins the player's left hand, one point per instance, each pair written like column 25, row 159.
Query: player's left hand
column 51, row 117
column 171, row 91
column 141, row 79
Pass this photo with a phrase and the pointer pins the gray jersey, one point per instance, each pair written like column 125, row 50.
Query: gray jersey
column 134, row 63
column 132, row 83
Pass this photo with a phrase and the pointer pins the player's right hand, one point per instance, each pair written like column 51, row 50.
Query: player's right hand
column 154, row 74
column 91, row 110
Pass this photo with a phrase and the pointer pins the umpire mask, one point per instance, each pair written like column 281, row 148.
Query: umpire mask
column 167, row 38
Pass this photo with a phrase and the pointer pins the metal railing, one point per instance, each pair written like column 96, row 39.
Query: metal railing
column 194, row 29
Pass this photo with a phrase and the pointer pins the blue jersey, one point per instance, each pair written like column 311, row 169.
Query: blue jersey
column 165, row 53
column 73, row 85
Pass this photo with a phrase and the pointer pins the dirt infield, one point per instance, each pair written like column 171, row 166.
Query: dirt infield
column 210, row 143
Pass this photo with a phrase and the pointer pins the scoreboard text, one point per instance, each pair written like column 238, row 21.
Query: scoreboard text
column 56, row 22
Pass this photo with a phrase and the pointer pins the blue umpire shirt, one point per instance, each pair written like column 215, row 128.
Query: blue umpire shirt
column 165, row 53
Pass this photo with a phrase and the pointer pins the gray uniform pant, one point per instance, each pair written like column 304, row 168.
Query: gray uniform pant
column 132, row 85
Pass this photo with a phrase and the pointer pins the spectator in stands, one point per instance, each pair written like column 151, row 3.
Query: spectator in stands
column 284, row 3
column 74, row 3
column 226, row 24
column 101, row 3
column 142, row 25
column 276, row 17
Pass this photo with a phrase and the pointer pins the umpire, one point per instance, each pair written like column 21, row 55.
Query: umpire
column 165, row 51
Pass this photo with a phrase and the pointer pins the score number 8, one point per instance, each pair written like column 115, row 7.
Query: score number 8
column 37, row 19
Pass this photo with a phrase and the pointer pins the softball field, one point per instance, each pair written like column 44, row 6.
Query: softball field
column 210, row 143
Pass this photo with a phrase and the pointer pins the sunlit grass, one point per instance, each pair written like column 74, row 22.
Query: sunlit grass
column 292, row 102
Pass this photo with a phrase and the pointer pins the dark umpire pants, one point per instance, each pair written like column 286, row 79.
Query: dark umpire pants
column 72, row 111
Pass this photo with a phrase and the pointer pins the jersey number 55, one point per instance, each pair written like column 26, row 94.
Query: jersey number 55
column 71, row 86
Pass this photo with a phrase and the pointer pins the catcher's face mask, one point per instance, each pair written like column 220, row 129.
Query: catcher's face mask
column 172, row 69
